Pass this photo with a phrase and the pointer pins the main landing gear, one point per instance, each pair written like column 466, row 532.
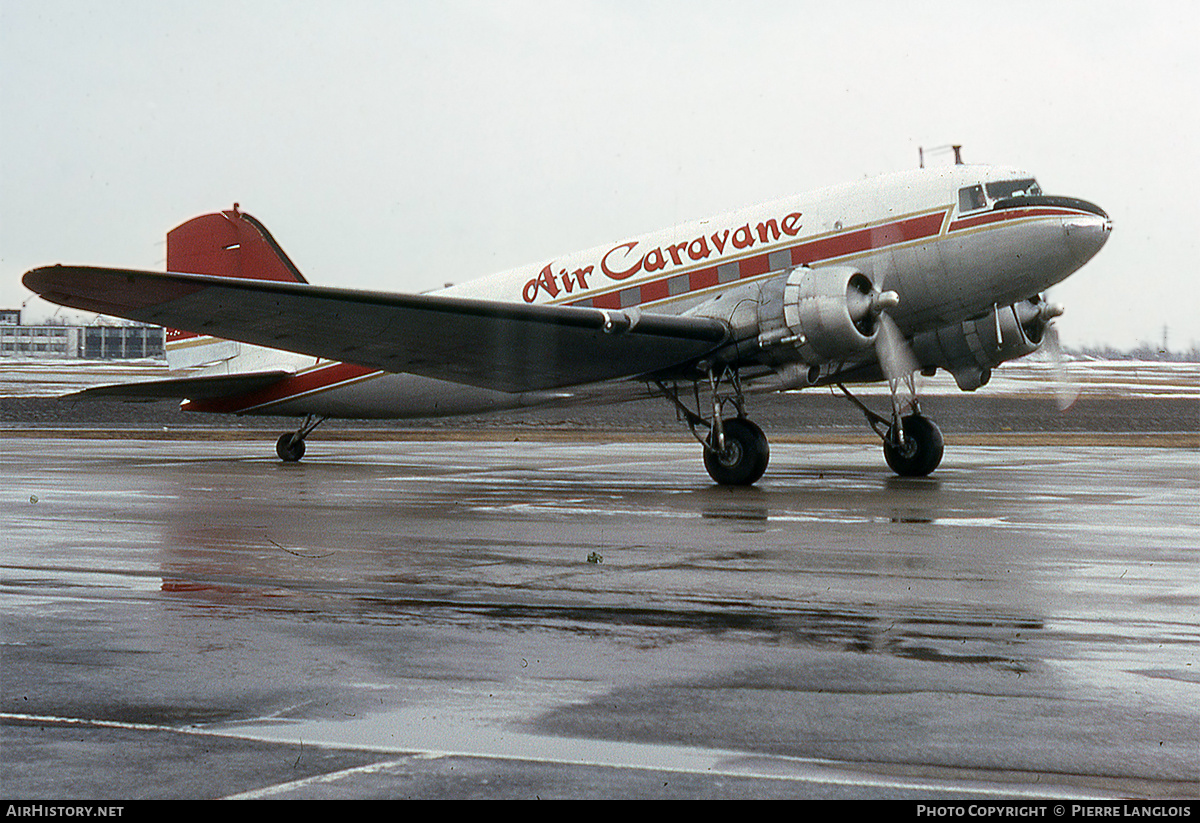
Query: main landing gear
column 912, row 443
column 290, row 445
column 915, row 448
column 736, row 451
column 737, row 457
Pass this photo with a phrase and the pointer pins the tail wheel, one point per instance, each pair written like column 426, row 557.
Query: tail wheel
column 921, row 449
column 744, row 458
column 289, row 447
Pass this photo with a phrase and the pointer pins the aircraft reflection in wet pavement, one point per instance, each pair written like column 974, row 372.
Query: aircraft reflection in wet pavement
column 873, row 280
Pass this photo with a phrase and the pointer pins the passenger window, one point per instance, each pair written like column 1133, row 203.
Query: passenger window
column 971, row 198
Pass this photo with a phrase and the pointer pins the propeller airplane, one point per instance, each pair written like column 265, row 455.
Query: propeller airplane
column 875, row 280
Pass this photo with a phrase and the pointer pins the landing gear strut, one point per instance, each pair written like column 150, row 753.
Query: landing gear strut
column 912, row 443
column 290, row 445
column 735, row 450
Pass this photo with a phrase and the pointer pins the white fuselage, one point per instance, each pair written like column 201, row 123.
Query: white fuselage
column 931, row 235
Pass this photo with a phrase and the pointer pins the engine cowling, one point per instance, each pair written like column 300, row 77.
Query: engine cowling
column 821, row 314
column 971, row 349
column 801, row 319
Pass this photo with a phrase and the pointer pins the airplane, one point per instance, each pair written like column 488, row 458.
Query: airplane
column 875, row 280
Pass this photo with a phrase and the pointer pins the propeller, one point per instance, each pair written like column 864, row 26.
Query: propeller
column 1037, row 318
column 895, row 356
column 868, row 305
column 1066, row 390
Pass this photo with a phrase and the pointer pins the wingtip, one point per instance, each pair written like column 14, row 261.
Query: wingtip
column 35, row 279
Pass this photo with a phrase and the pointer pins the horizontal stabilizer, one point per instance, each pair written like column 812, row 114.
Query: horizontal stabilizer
column 512, row 347
column 182, row 388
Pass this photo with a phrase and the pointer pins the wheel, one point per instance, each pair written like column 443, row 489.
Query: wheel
column 744, row 458
column 921, row 451
column 289, row 447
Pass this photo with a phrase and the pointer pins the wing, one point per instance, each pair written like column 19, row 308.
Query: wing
column 507, row 346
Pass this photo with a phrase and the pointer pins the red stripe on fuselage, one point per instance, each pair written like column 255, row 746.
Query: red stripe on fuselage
column 1005, row 215
column 321, row 378
column 869, row 239
column 857, row 241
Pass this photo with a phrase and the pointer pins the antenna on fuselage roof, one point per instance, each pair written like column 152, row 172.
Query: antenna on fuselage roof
column 958, row 161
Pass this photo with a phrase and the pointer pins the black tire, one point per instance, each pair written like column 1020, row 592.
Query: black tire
column 745, row 456
column 922, row 450
column 289, row 447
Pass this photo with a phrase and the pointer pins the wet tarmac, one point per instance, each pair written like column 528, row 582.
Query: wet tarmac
column 592, row 618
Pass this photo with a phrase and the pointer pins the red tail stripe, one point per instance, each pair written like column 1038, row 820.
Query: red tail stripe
column 318, row 379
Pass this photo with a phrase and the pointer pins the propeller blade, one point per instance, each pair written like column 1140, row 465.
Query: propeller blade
column 1066, row 390
column 896, row 358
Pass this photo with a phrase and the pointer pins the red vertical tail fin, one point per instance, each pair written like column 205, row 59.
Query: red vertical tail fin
column 229, row 244
column 224, row 244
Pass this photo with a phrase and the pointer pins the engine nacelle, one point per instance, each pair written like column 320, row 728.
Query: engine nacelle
column 971, row 349
column 801, row 319
column 818, row 314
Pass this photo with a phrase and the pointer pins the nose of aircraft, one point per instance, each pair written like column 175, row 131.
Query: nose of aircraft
column 1087, row 234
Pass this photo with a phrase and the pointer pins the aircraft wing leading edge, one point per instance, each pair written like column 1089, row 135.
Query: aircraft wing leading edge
column 511, row 347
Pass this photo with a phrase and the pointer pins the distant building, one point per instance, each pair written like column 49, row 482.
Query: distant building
column 85, row 342
column 112, row 342
column 39, row 341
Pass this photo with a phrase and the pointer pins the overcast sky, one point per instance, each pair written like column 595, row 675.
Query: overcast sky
column 401, row 145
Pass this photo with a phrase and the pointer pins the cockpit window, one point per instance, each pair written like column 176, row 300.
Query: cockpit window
column 1014, row 188
column 971, row 198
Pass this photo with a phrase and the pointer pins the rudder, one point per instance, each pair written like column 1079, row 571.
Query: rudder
column 229, row 244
